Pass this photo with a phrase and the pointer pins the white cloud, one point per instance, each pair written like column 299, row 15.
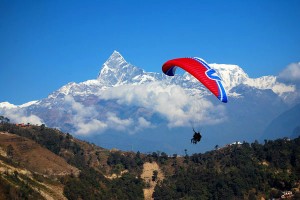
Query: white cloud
column 80, row 110
column 141, row 124
column 117, row 123
column 291, row 72
column 18, row 116
column 86, row 119
column 90, row 127
column 172, row 102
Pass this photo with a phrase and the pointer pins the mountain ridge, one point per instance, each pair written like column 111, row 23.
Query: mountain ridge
column 127, row 102
column 230, row 171
column 117, row 71
column 287, row 121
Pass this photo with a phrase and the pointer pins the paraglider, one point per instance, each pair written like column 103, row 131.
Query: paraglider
column 196, row 137
column 203, row 73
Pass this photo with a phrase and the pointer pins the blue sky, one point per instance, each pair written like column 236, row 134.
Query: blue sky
column 46, row 44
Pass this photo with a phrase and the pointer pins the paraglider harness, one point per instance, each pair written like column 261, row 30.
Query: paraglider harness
column 196, row 137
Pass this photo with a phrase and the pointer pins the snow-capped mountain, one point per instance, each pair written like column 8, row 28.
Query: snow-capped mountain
column 116, row 71
column 233, row 75
column 152, row 111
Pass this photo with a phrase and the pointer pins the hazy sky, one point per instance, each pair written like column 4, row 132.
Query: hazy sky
column 44, row 44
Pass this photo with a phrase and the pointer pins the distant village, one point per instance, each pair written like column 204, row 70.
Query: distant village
column 25, row 125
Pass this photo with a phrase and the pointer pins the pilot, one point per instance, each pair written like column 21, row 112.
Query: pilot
column 196, row 137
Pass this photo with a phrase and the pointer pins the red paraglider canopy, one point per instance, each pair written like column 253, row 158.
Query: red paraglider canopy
column 201, row 71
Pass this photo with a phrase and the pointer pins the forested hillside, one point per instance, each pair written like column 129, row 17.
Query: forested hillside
column 237, row 171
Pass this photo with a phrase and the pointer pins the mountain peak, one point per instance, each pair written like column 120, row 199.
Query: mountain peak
column 116, row 53
column 231, row 75
column 116, row 70
column 114, row 62
column 116, row 56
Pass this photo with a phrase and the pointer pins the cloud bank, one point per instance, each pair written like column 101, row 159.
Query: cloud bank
column 291, row 73
column 171, row 103
column 84, row 118
column 87, row 120
column 18, row 116
column 132, row 108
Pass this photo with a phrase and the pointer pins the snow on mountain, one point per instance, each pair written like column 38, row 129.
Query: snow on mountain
column 270, row 82
column 233, row 75
column 116, row 71
column 125, row 98
column 78, row 89
column 30, row 103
